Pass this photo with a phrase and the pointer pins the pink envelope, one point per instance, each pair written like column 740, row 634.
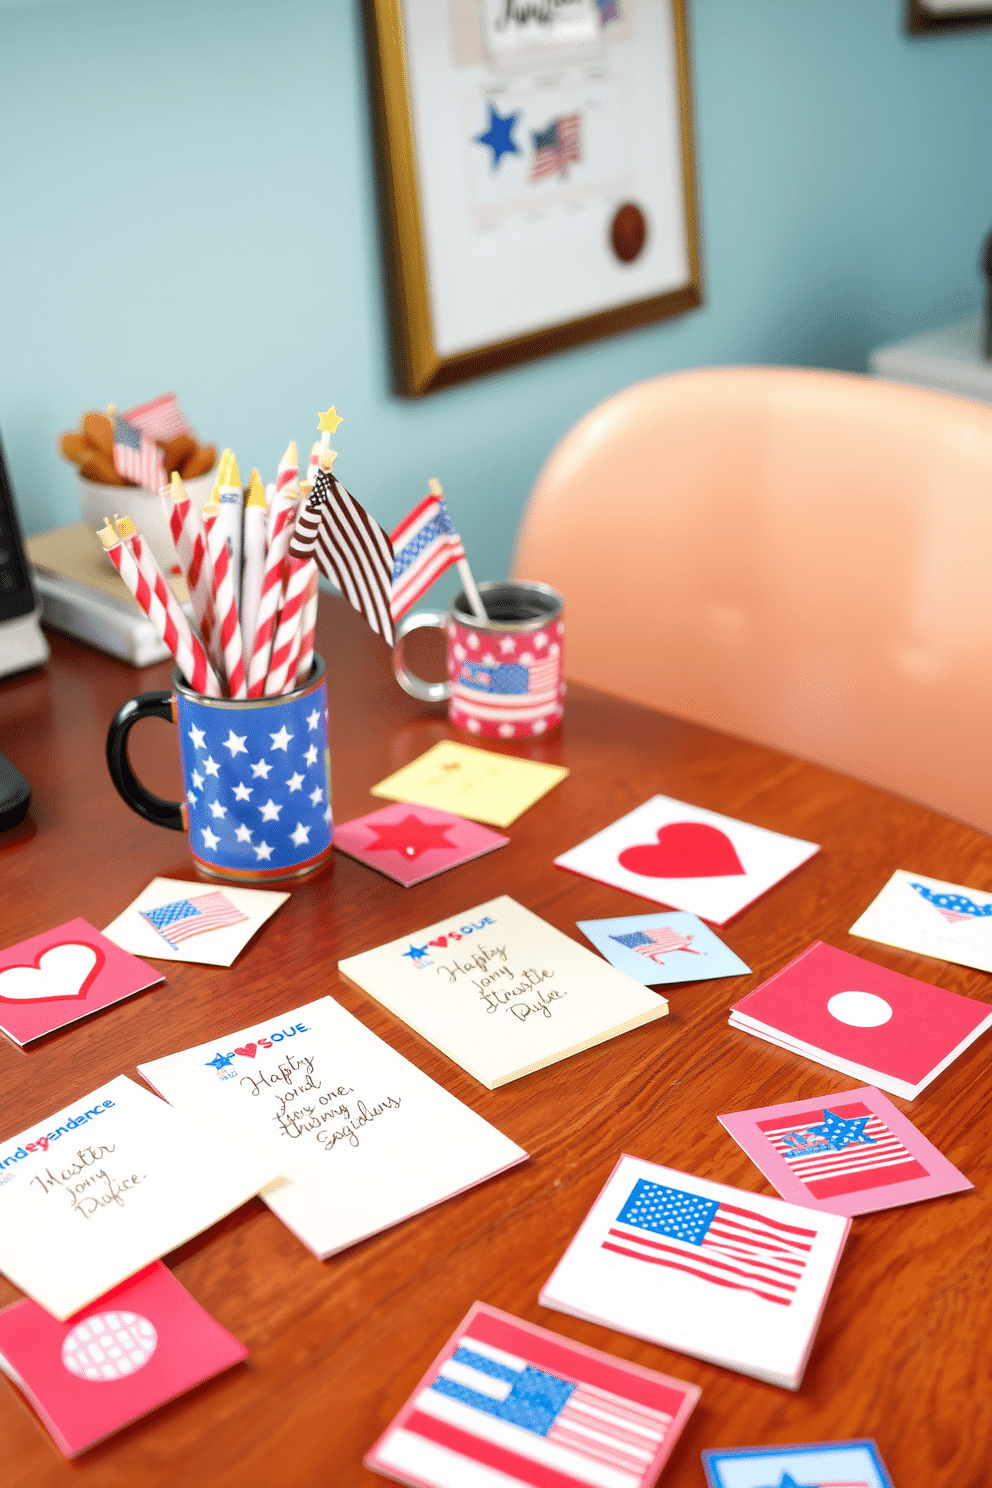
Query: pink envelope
column 124, row 1355
column 411, row 843
column 63, row 975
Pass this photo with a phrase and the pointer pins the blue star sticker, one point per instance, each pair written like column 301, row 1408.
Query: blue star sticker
column 499, row 135
column 416, row 953
column 840, row 1133
column 220, row 1061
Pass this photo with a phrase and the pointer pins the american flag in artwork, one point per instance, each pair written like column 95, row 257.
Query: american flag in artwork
column 714, row 1241
column 556, row 147
column 136, row 457
column 656, row 944
column 161, row 418
column 424, row 544
column 508, row 1405
column 843, row 1150
column 510, row 691
column 184, row 918
column 953, row 907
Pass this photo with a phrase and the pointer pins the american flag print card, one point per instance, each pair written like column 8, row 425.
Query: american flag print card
column 508, row 1403
column 130, row 1351
column 931, row 918
column 663, row 948
column 688, row 858
column 478, row 783
column 173, row 920
column 54, row 979
column 411, row 843
column 732, row 1277
column 838, row 1464
column 852, row 1153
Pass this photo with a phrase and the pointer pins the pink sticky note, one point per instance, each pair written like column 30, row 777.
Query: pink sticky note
column 411, row 843
column 138, row 1346
column 851, row 1153
column 64, row 975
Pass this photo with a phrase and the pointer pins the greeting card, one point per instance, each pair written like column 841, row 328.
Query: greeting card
column 109, row 1184
column 129, row 1352
column 173, row 920
column 852, row 1153
column 841, row 1464
column 732, row 1277
column 505, row 1402
column 689, row 858
column 411, row 843
column 931, row 918
column 501, row 992
column 54, row 979
column 360, row 1137
column 862, row 1019
column 656, row 948
column 488, row 787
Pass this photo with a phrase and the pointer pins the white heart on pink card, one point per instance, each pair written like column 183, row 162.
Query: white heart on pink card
column 63, row 971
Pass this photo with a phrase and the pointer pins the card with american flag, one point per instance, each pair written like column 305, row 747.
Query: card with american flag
column 835, row 1464
column 194, row 915
column 852, row 1153
column 661, row 948
column 172, row 920
column 557, row 146
column 511, row 1403
column 729, row 1276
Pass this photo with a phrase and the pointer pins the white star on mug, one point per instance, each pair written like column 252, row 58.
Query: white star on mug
column 197, row 779
column 261, row 769
column 507, row 645
column 243, row 833
column 209, row 840
column 301, row 835
column 198, row 737
column 210, row 765
column 316, row 795
column 295, row 781
column 235, row 743
column 281, row 739
column 242, row 792
column 270, row 811
column 313, row 719
column 262, row 851
column 217, row 810
column 311, row 755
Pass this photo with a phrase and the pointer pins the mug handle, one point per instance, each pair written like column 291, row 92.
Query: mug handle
column 129, row 787
column 424, row 692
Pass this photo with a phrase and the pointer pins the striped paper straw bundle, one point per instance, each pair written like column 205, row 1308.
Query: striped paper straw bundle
column 284, row 505
column 194, row 560
column 227, row 606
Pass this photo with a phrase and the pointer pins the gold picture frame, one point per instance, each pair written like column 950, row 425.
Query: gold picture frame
column 420, row 366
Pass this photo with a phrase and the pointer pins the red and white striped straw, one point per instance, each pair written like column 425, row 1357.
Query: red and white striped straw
column 313, row 465
column 226, row 602
column 191, row 547
column 289, row 469
column 284, row 506
column 307, row 630
column 288, row 636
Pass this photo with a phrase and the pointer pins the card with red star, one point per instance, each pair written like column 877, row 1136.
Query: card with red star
column 411, row 843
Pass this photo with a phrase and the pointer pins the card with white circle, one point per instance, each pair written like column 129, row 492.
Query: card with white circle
column 862, row 1019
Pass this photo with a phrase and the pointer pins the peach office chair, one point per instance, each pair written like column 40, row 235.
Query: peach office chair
column 800, row 558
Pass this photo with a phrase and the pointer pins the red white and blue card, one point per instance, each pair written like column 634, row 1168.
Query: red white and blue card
column 129, row 1352
column 54, row 979
column 931, row 918
column 508, row 1403
column 733, row 1277
column 173, row 920
column 839, row 1464
column 851, row 1153
column 688, row 858
column 411, row 843
column 663, row 947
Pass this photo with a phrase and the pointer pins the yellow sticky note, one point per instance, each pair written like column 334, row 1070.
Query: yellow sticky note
column 488, row 787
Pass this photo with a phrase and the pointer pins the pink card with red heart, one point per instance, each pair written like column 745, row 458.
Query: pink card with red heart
column 63, row 975
column 688, row 858
column 411, row 843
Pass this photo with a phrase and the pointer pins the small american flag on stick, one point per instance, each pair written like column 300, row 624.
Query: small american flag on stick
column 349, row 547
column 162, row 418
column 136, row 457
column 556, row 147
column 185, row 918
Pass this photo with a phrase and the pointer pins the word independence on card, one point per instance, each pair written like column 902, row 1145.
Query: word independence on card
column 501, row 992
column 689, row 858
column 488, row 787
column 729, row 1276
column 506, row 1398
column 361, row 1137
column 931, row 918
column 173, row 920
column 107, row 1185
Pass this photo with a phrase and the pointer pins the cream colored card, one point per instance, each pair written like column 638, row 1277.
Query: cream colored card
column 363, row 1139
column 478, row 783
column 501, row 992
column 931, row 918
column 175, row 920
column 109, row 1184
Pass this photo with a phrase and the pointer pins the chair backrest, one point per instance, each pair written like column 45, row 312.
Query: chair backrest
column 800, row 558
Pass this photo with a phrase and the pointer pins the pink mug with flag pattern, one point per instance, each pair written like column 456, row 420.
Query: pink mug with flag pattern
column 505, row 675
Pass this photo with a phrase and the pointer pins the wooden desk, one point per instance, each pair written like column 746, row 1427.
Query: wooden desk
column 903, row 1350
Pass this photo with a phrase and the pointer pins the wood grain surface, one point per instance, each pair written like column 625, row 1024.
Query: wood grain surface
column 903, row 1350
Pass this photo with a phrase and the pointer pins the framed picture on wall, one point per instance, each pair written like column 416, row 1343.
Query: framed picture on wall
column 946, row 15
column 537, row 171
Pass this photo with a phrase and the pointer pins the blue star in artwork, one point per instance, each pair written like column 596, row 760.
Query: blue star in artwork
column 416, row 953
column 220, row 1061
column 499, row 135
column 840, row 1133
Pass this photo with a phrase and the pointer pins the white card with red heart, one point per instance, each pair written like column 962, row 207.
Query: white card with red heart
column 63, row 975
column 688, row 858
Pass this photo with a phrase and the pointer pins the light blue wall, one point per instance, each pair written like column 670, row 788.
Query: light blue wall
column 186, row 200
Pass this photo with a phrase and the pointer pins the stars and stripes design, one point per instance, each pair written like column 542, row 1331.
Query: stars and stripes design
column 953, row 907
column 506, row 685
column 714, row 1241
column 349, row 547
column 656, row 944
column 843, row 1150
column 137, row 457
column 184, row 918
column 556, row 147
column 424, row 544
column 161, row 418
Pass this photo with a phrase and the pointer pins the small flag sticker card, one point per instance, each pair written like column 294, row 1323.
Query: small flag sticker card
column 853, row 1153
column 663, row 948
column 479, row 783
column 688, row 858
column 129, row 1352
column 411, row 843
column 839, row 1464
column 506, row 1402
column 729, row 1276
column 173, row 920
column 931, row 918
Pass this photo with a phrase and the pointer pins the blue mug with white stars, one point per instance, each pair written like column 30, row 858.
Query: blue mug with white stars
column 256, row 773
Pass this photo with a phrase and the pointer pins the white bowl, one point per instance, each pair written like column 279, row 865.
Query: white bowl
column 145, row 509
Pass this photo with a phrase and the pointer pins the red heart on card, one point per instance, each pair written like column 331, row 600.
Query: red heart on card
column 249, row 1051
column 60, row 971
column 441, row 941
column 684, row 850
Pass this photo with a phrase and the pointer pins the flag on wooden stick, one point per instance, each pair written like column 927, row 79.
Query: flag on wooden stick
column 349, row 547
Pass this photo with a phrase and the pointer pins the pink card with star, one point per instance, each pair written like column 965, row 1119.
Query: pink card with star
column 411, row 843
column 851, row 1153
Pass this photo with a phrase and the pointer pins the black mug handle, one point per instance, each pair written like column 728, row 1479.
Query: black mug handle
column 129, row 787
